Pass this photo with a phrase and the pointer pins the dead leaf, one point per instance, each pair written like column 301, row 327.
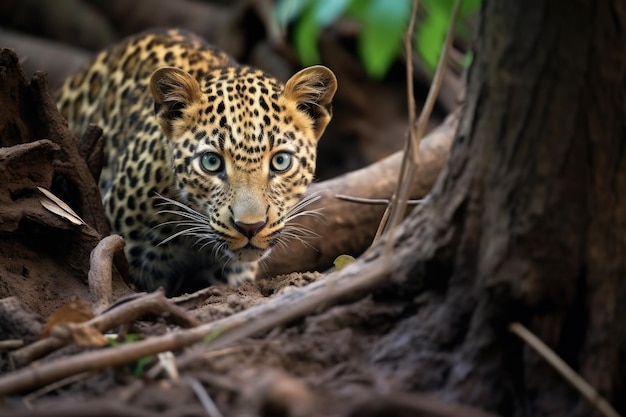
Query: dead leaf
column 86, row 335
column 75, row 311
column 342, row 261
column 57, row 206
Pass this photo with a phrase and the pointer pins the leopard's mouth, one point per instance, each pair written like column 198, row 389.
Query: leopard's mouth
column 249, row 253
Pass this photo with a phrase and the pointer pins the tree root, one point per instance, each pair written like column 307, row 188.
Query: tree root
column 100, row 273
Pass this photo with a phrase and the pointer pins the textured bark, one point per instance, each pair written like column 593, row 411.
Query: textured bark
column 528, row 221
column 43, row 256
column 30, row 114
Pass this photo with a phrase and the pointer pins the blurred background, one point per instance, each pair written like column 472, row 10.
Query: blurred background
column 360, row 40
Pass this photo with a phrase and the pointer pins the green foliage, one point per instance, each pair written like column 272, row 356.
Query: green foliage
column 139, row 367
column 214, row 335
column 431, row 32
column 383, row 24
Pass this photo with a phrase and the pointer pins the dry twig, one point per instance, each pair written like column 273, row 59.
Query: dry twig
column 411, row 160
column 380, row 201
column 564, row 369
column 153, row 303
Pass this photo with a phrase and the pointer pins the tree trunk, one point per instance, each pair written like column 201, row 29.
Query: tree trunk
column 528, row 220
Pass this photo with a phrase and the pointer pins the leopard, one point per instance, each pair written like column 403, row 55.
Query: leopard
column 206, row 161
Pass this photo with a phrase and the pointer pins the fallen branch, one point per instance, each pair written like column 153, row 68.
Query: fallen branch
column 125, row 312
column 100, row 274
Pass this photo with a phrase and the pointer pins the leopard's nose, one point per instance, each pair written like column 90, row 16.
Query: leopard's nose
column 250, row 229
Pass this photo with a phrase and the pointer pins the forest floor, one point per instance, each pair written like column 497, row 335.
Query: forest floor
column 348, row 357
column 318, row 365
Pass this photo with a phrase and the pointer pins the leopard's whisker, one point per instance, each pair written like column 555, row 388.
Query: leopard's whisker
column 310, row 199
column 296, row 235
column 300, row 230
column 185, row 232
column 316, row 213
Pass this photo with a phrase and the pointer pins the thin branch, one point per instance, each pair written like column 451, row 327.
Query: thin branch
column 378, row 201
column 11, row 344
column 28, row 399
column 564, row 369
column 153, row 303
column 405, row 166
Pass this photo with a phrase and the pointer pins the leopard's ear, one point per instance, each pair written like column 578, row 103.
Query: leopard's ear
column 172, row 89
column 313, row 90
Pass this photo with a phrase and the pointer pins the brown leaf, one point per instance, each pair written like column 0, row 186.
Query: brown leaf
column 87, row 336
column 76, row 311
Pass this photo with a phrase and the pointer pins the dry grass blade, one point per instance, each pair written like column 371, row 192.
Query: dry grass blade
column 204, row 397
column 55, row 205
column 564, row 369
column 410, row 162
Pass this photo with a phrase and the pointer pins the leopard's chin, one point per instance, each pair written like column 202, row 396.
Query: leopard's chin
column 249, row 253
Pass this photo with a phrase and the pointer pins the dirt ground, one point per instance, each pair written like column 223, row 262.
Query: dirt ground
column 324, row 364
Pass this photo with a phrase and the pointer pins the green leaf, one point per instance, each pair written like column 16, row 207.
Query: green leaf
column 305, row 35
column 358, row 9
column 140, row 365
column 312, row 20
column 286, row 11
column 215, row 334
column 382, row 34
column 431, row 33
column 132, row 337
column 342, row 261
column 328, row 11
column 429, row 38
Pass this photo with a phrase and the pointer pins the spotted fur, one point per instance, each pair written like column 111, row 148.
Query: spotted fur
column 205, row 158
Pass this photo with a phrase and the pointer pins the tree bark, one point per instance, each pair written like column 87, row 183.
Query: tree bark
column 528, row 220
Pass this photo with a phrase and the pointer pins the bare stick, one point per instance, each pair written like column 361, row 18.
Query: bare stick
column 564, row 369
column 11, row 344
column 100, row 274
column 405, row 166
column 380, row 201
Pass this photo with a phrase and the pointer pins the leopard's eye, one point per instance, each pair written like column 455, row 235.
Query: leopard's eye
column 281, row 162
column 211, row 162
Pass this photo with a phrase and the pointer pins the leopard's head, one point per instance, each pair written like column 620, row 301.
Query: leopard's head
column 243, row 150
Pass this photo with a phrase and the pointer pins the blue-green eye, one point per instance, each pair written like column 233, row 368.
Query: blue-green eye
column 281, row 161
column 211, row 162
